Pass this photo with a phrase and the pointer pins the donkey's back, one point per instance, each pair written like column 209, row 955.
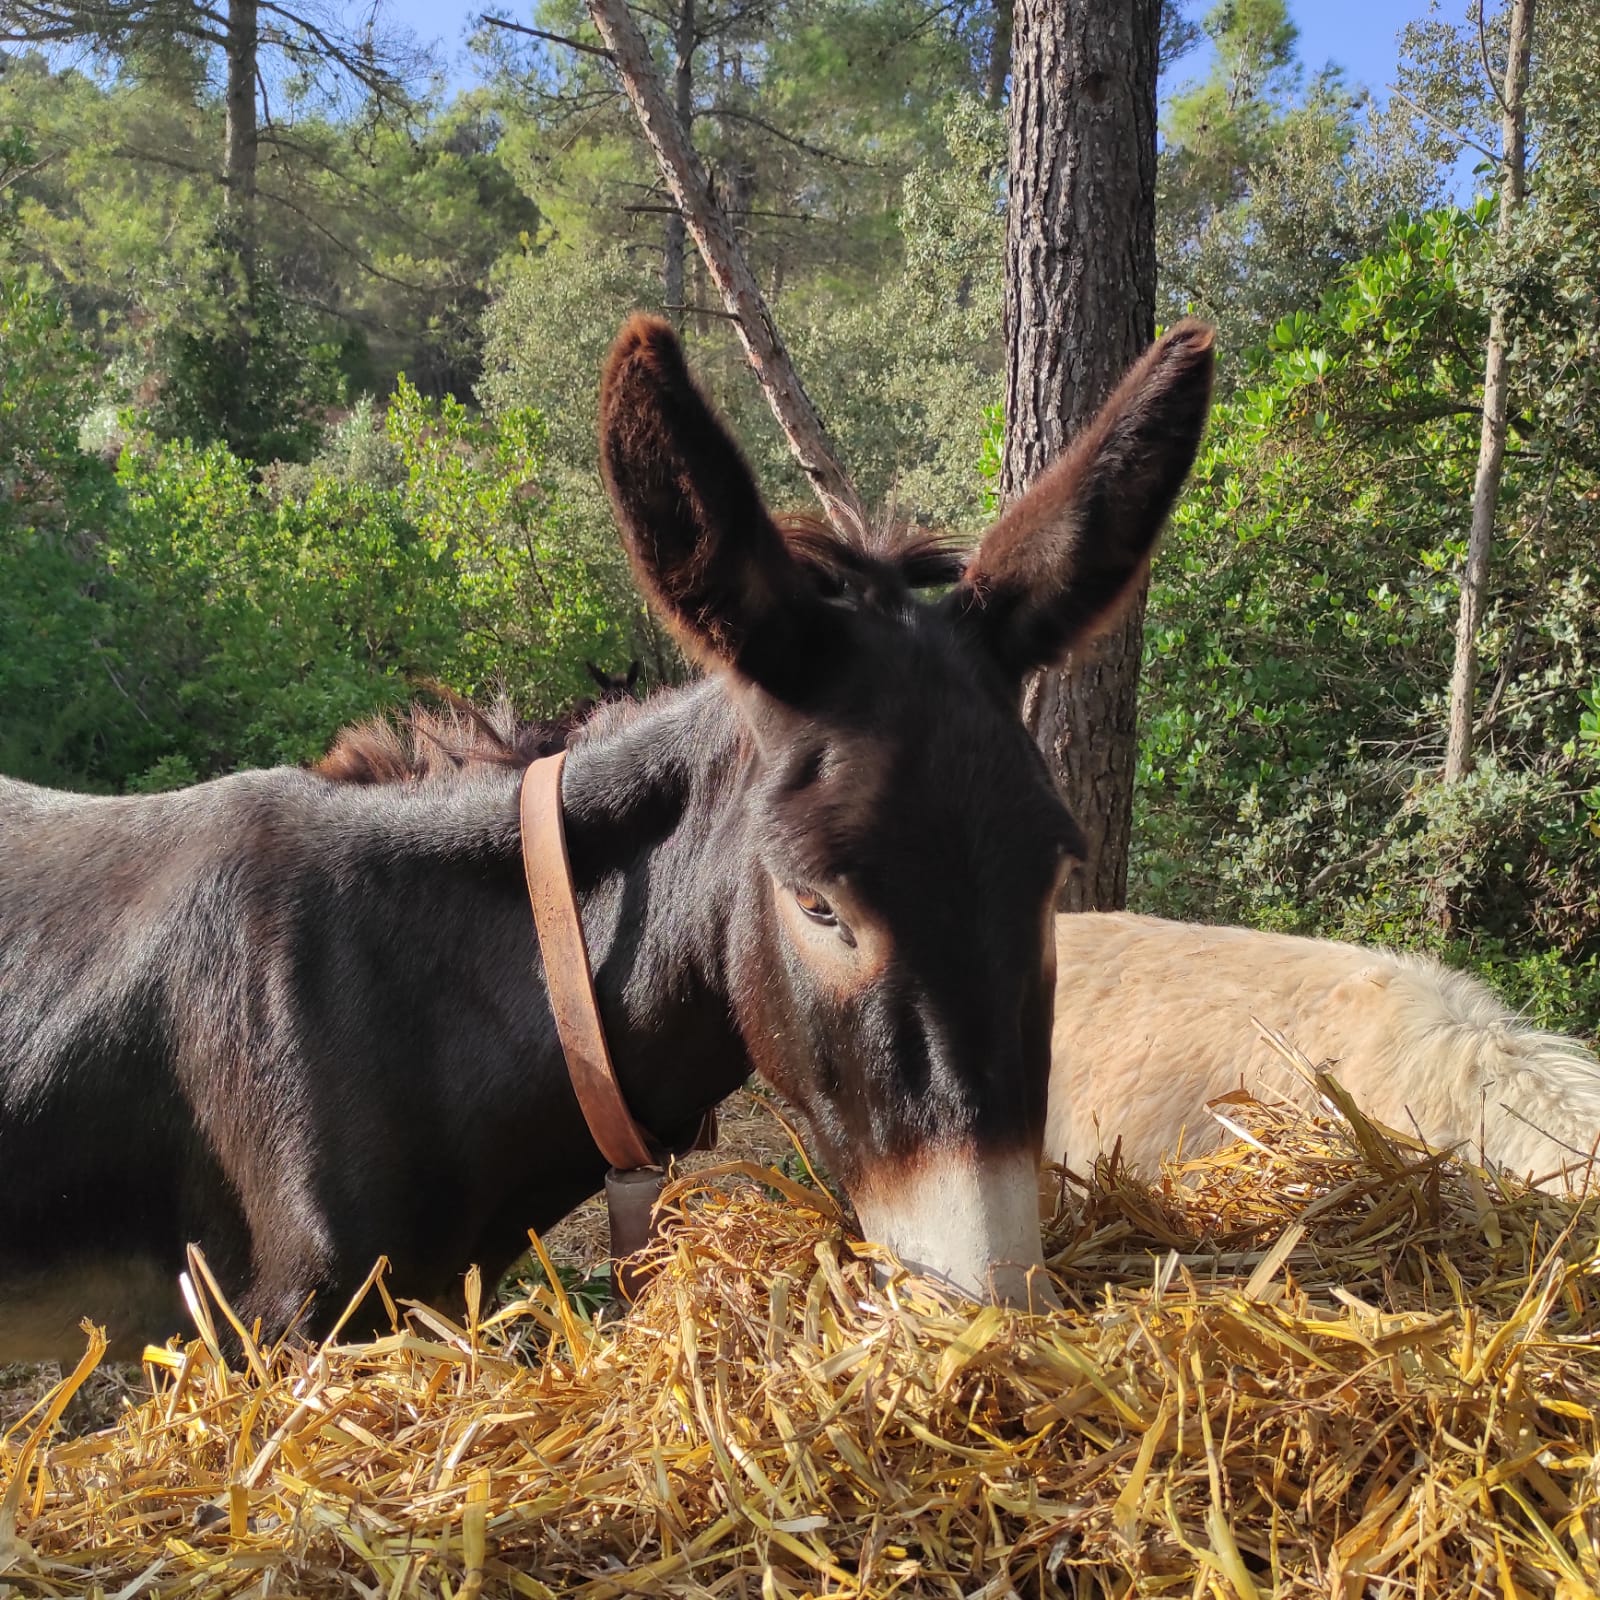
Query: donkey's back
column 1154, row 1018
column 98, row 894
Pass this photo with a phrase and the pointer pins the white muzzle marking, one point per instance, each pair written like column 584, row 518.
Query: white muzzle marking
column 968, row 1220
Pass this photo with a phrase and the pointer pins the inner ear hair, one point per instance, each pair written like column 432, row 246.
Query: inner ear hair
column 702, row 545
column 1064, row 559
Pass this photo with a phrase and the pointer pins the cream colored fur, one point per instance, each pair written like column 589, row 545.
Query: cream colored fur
column 1154, row 1018
column 977, row 1212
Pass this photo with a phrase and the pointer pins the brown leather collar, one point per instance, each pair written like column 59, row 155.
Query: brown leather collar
column 571, row 982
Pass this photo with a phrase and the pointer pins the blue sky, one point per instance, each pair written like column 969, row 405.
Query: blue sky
column 1360, row 35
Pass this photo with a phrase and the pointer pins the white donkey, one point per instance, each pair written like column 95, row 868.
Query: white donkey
column 1155, row 1018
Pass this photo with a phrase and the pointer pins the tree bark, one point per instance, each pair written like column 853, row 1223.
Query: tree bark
column 239, row 126
column 708, row 225
column 675, row 243
column 999, row 55
column 1080, row 306
column 1492, row 438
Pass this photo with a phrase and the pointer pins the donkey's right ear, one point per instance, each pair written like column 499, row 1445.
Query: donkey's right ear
column 1064, row 560
column 702, row 545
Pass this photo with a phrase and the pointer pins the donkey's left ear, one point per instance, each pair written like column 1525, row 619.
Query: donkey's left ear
column 1062, row 561
column 704, row 549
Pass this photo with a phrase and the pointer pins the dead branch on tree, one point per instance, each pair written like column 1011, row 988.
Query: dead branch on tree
column 708, row 225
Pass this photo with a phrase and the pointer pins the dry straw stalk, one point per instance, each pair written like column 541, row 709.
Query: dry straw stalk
column 1321, row 1361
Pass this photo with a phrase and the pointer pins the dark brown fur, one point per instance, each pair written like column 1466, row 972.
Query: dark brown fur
column 1042, row 575
column 426, row 744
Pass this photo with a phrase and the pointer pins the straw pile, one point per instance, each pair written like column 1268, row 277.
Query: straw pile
column 1320, row 1361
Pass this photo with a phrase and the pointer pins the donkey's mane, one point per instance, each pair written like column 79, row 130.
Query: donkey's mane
column 875, row 566
column 427, row 744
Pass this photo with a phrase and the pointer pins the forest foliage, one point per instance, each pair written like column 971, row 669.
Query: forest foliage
column 258, row 478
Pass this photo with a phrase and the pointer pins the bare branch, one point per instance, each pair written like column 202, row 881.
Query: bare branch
column 17, row 174
column 362, row 261
column 735, row 115
column 1488, row 71
column 266, row 104
column 743, row 211
column 161, row 158
column 552, row 38
column 196, row 169
column 281, row 139
column 701, row 311
column 727, row 266
column 1444, row 127
column 59, row 24
column 730, row 20
column 353, row 59
column 1335, row 868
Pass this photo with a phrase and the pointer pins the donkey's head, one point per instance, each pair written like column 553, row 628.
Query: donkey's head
column 898, row 845
column 614, row 685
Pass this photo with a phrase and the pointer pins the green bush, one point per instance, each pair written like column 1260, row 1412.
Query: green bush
column 235, row 363
column 60, row 695
column 536, row 588
column 180, row 617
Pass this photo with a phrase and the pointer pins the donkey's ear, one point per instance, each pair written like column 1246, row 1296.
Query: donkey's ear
column 1060, row 563
column 702, row 545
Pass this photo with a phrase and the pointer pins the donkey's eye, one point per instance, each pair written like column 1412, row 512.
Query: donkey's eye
column 815, row 907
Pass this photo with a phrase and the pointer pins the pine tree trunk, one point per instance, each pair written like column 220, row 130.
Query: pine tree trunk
column 1492, row 438
column 239, row 129
column 712, row 232
column 677, row 238
column 1080, row 306
column 999, row 55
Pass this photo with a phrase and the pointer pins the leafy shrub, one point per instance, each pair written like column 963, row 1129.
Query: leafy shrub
column 178, row 618
column 536, row 589
column 235, row 363
column 58, row 697
column 1300, row 638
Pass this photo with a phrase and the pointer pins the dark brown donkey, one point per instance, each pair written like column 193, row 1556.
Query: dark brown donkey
column 303, row 1022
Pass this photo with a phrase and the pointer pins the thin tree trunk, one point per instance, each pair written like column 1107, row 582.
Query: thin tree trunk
column 1492, row 438
column 240, row 142
column 683, row 104
column 709, row 227
column 702, row 295
column 1080, row 306
column 999, row 54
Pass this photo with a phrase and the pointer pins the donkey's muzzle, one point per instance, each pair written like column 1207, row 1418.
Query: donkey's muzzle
column 966, row 1219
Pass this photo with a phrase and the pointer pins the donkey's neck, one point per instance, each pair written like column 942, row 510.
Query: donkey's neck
column 653, row 831
column 426, row 996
